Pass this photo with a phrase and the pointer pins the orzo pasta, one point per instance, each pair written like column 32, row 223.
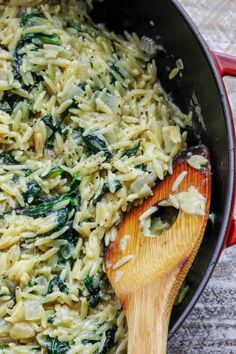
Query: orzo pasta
column 86, row 130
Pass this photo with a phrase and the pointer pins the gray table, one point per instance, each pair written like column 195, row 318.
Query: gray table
column 211, row 327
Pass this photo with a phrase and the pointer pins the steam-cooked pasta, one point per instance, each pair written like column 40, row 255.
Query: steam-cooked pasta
column 85, row 132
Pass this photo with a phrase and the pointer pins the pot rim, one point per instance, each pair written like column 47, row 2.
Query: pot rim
column 229, row 206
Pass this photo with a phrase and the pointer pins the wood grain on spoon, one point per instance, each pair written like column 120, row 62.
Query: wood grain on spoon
column 148, row 283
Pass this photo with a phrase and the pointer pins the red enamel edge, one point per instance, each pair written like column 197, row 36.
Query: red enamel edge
column 226, row 65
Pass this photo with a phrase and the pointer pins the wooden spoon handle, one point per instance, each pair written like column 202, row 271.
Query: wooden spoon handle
column 148, row 313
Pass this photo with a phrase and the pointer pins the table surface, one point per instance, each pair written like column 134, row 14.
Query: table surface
column 211, row 326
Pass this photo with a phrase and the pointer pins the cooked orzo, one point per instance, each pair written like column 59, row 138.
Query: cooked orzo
column 86, row 130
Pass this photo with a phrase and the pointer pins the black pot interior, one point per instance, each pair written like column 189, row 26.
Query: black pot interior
column 172, row 31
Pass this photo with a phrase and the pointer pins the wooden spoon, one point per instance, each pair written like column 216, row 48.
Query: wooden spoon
column 149, row 281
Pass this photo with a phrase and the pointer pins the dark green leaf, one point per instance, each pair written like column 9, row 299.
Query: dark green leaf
column 62, row 216
column 51, row 319
column 41, row 210
column 37, row 348
column 10, row 100
column 131, row 152
column 5, row 107
column 33, row 189
column 65, row 113
column 93, row 289
column 74, row 185
column 142, row 167
column 115, row 74
column 29, row 19
column 54, row 346
column 71, row 236
column 88, row 341
column 54, row 172
column 37, row 39
column 90, row 285
column 56, row 284
column 110, row 340
column 94, row 300
column 96, row 144
column 7, row 158
column 48, row 121
column 27, row 171
column 3, row 47
column 2, row 346
column 62, row 260
column 105, row 190
column 82, row 85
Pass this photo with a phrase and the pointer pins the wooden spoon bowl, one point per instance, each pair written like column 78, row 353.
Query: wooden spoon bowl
column 147, row 274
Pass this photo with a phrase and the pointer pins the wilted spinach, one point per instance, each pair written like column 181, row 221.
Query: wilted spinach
column 7, row 158
column 37, row 39
column 105, row 189
column 33, row 190
column 29, row 18
column 96, row 144
column 131, row 152
column 54, row 346
column 93, row 290
column 57, row 284
column 5, row 107
column 110, row 340
column 54, row 127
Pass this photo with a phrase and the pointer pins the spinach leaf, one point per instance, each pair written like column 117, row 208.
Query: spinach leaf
column 51, row 319
column 89, row 283
column 36, row 348
column 18, row 58
column 7, row 158
column 105, row 189
column 37, row 39
column 2, row 347
column 96, row 144
column 54, row 172
column 64, row 255
column 54, row 346
column 3, row 47
column 131, row 152
column 42, row 210
column 93, row 290
column 71, row 236
column 94, row 300
column 57, row 284
column 110, row 340
column 142, row 167
column 62, row 216
column 32, row 192
column 74, row 185
column 28, row 19
column 88, row 341
column 27, row 171
column 5, row 107
column 66, row 111
column 62, row 260
column 9, row 101
column 82, row 85
column 48, row 121
column 115, row 74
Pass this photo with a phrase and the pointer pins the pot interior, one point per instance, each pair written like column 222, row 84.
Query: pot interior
column 198, row 90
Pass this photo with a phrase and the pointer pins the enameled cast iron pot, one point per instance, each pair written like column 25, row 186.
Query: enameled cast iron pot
column 202, row 78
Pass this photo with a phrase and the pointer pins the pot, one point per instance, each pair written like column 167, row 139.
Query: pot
column 202, row 90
